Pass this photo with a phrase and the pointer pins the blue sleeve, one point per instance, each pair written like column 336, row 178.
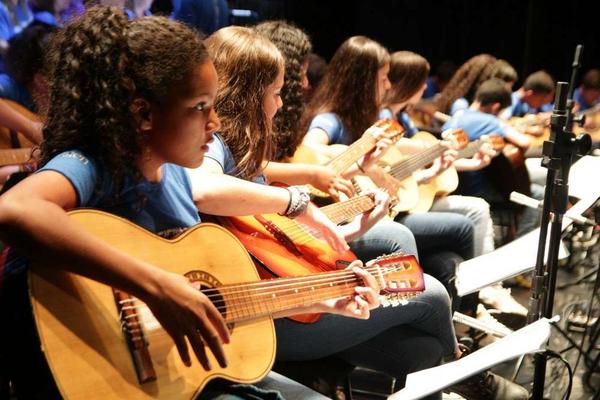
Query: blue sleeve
column 409, row 126
column 502, row 128
column 386, row 113
column 216, row 151
column 219, row 152
column 459, row 104
column 329, row 123
column 79, row 170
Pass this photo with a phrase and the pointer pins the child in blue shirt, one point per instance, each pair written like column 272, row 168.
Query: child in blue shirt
column 587, row 95
column 481, row 119
column 533, row 97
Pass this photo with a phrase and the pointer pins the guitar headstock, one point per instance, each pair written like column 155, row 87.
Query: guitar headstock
column 457, row 137
column 399, row 275
column 392, row 128
column 494, row 141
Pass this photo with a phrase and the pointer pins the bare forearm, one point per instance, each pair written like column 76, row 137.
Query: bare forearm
column 42, row 231
column 224, row 195
column 291, row 174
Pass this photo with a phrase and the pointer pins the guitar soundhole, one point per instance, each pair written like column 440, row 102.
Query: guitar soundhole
column 208, row 285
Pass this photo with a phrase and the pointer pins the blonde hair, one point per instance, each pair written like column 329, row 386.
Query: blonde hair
column 247, row 63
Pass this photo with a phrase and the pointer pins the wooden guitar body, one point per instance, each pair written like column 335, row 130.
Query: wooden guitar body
column 80, row 328
column 102, row 343
column 441, row 185
column 13, row 140
column 294, row 250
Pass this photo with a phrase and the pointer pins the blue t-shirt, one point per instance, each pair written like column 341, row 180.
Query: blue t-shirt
column 431, row 89
column 475, row 124
column 410, row 129
column 220, row 152
column 332, row 125
column 11, row 90
column 459, row 104
column 519, row 108
column 8, row 26
column 166, row 207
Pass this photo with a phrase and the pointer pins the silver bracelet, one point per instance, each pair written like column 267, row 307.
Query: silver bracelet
column 299, row 199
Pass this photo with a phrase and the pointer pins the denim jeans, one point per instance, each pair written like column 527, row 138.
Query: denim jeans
column 440, row 232
column 396, row 340
column 478, row 211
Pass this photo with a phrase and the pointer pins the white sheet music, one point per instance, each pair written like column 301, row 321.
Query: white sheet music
column 529, row 339
column 515, row 258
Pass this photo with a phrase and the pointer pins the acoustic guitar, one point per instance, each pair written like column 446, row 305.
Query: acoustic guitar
column 348, row 155
column 104, row 344
column 447, row 181
column 398, row 177
column 287, row 247
column 17, row 156
column 10, row 139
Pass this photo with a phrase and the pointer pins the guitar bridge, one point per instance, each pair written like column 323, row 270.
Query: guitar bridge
column 134, row 337
column 279, row 235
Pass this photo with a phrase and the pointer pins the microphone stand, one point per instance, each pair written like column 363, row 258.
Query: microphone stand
column 558, row 153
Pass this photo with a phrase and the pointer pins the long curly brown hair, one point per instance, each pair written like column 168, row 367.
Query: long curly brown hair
column 100, row 63
column 465, row 81
column 247, row 63
column 349, row 87
column 408, row 72
column 295, row 47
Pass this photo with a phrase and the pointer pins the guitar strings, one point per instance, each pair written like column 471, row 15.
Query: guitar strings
column 404, row 168
column 285, row 286
column 284, row 301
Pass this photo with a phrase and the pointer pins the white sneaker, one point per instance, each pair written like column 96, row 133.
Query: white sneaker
column 499, row 298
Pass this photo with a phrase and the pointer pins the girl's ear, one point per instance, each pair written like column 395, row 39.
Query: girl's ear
column 140, row 108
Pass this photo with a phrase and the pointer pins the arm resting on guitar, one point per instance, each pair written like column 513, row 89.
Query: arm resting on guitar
column 33, row 220
column 217, row 193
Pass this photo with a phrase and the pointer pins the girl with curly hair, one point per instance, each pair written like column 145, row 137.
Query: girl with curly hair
column 460, row 91
column 132, row 104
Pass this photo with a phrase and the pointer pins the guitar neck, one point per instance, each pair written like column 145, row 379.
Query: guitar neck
column 405, row 168
column 15, row 156
column 346, row 210
column 354, row 152
column 470, row 150
column 264, row 298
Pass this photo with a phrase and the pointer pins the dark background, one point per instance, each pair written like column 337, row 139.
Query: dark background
column 530, row 34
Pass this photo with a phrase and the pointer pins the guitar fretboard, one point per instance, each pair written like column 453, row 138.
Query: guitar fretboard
column 403, row 169
column 344, row 211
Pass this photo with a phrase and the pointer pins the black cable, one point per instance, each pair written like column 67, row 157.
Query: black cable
column 552, row 353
